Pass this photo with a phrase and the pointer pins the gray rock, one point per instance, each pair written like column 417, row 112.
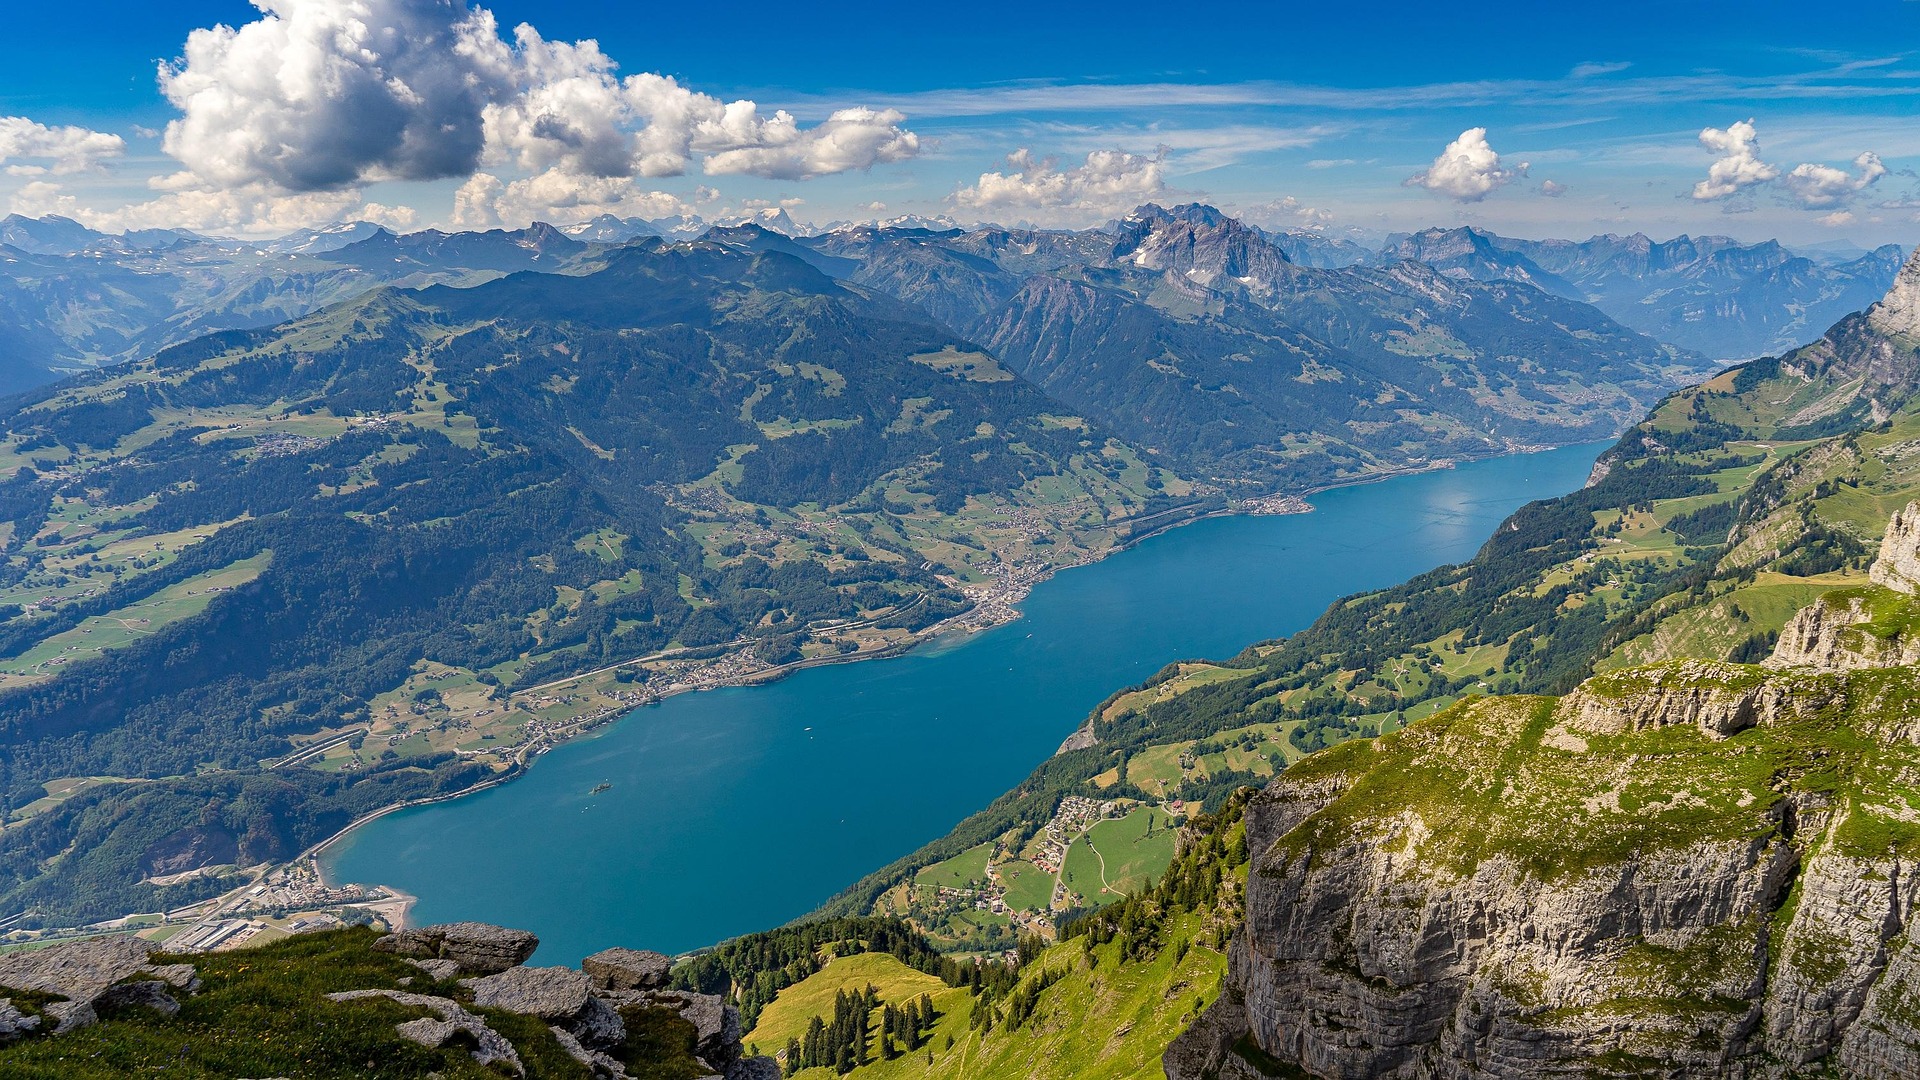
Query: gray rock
column 716, row 1024
column 479, row 948
column 449, row 1021
column 178, row 976
column 138, row 994
column 600, row 1064
column 76, row 970
column 14, row 1023
column 754, row 1068
column 550, row 993
column 561, row 996
column 627, row 969
column 599, row 1025
column 439, row 969
column 67, row 1015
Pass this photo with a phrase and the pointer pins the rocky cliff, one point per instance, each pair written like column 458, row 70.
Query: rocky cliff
column 1688, row 870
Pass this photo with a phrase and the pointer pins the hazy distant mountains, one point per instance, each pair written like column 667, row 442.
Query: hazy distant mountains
column 1198, row 337
column 72, row 298
column 1711, row 294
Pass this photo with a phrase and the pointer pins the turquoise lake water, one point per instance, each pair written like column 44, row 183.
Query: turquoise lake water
column 737, row 810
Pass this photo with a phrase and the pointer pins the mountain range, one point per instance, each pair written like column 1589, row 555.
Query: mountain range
column 1711, row 294
column 72, row 298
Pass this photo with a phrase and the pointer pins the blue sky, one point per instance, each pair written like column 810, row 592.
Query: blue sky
column 1324, row 116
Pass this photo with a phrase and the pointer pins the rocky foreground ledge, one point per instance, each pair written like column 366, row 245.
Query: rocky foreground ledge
column 470, row 992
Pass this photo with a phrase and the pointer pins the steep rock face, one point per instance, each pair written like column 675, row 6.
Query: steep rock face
column 1899, row 312
column 1691, row 870
column 1863, row 628
column 1898, row 565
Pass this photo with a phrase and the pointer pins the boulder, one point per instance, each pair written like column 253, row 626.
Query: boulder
column 148, row 994
column 14, row 1023
column 561, row 996
column 754, row 1068
column 178, row 976
column 627, row 969
column 716, row 1024
column 479, row 948
column 76, row 970
column 67, row 1015
column 439, row 969
column 601, row 1065
column 449, row 1023
column 550, row 993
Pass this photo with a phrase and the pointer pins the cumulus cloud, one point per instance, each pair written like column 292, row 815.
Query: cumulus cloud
column 321, row 95
column 1813, row 185
column 1288, row 212
column 1552, row 189
column 1739, row 166
column 1108, row 183
column 1468, row 170
column 557, row 196
column 1818, row 186
column 31, row 149
column 1836, row 219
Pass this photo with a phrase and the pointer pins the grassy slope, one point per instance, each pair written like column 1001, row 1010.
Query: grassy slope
column 813, row 996
column 1107, row 1022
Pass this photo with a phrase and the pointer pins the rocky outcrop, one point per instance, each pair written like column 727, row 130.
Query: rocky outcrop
column 1854, row 629
column 1718, row 699
column 1899, row 311
column 587, row 1009
column 1897, row 567
column 85, row 977
column 479, row 948
column 1689, row 871
column 450, row 1023
column 561, row 996
column 627, row 969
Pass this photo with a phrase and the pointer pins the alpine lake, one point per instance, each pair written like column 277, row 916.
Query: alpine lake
column 714, row 814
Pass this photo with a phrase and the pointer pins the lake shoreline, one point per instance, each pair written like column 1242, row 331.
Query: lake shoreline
column 957, row 626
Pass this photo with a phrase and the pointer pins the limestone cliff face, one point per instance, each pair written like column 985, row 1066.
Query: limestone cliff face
column 1899, row 312
column 1897, row 567
column 1862, row 628
column 1692, row 870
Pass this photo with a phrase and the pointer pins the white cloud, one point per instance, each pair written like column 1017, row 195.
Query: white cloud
column 1813, row 185
column 57, row 150
column 1330, row 163
column 1287, row 212
column 1818, row 186
column 1739, row 166
column 1108, row 183
column 558, row 197
column 321, row 95
column 1837, row 219
column 849, row 139
column 397, row 218
column 1468, row 169
column 251, row 209
column 1552, row 189
column 1592, row 69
